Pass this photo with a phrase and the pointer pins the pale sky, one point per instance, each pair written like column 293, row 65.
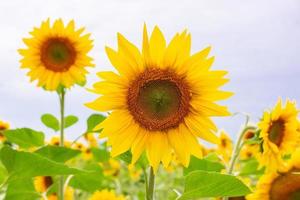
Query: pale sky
column 257, row 41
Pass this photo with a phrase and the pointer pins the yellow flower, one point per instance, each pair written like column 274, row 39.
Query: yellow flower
column 225, row 146
column 279, row 131
column 111, row 167
column 284, row 185
column 69, row 195
column 87, row 154
column 162, row 98
column 3, row 126
column 57, row 55
column 55, row 141
column 42, row 183
column 106, row 195
column 249, row 151
column 90, row 138
column 134, row 173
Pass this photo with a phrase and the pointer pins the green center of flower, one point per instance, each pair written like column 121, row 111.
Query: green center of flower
column 159, row 99
column 276, row 132
column 286, row 186
column 58, row 54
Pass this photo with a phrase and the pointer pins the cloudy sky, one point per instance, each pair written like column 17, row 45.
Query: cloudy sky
column 257, row 41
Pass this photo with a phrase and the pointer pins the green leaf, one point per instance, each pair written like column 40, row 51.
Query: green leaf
column 21, row 189
column 100, row 155
column 202, row 164
column 50, row 121
column 25, row 137
column 91, row 181
column 212, row 184
column 57, row 153
column 250, row 167
column 126, row 157
column 70, row 120
column 25, row 164
column 93, row 121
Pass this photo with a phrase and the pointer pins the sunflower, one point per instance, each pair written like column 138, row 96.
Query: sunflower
column 42, row 183
column 225, row 146
column 55, row 142
column 284, row 185
column 3, row 127
column 279, row 132
column 249, row 151
column 69, row 195
column 111, row 167
column 106, row 195
column 90, row 138
column 57, row 55
column 161, row 99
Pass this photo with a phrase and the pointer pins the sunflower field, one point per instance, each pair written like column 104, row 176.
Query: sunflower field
column 151, row 133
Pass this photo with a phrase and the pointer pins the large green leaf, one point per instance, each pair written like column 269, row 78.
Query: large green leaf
column 203, row 164
column 21, row 189
column 212, row 184
column 91, row 181
column 25, row 137
column 100, row 155
column 57, row 153
column 25, row 164
column 250, row 167
column 50, row 121
column 93, row 121
column 70, row 120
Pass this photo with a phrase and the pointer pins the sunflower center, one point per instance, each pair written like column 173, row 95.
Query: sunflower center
column 276, row 132
column 48, row 181
column 286, row 186
column 58, row 54
column 158, row 99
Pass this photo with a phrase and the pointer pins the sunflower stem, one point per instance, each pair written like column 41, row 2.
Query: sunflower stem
column 62, row 122
column 237, row 148
column 150, row 191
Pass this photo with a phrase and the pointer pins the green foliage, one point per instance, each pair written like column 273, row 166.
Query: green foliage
column 100, row 154
column 212, row 184
column 93, row 121
column 50, row 121
column 57, row 153
column 250, row 167
column 70, row 121
column 203, row 164
column 90, row 181
column 25, row 165
column 21, row 189
column 25, row 137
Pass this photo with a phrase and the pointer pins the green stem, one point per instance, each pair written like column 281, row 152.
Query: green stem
column 62, row 123
column 146, row 181
column 150, row 192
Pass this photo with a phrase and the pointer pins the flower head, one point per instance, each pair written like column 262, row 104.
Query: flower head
column 161, row 98
column 57, row 55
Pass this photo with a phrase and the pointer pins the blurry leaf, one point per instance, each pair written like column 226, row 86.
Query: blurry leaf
column 70, row 120
column 250, row 167
column 57, row 153
column 93, row 121
column 202, row 164
column 25, row 164
column 25, row 137
column 212, row 157
column 126, row 157
column 50, row 121
column 212, row 184
column 3, row 173
column 100, row 155
column 90, row 181
column 21, row 189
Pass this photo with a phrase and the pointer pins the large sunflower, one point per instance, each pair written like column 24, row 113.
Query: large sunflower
column 57, row 55
column 284, row 185
column 162, row 98
column 279, row 131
